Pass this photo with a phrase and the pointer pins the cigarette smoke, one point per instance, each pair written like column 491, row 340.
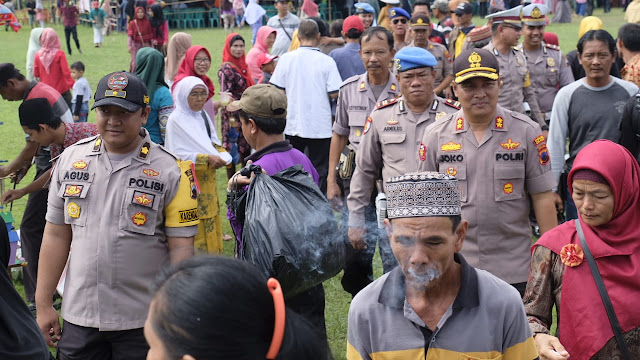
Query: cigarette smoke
column 421, row 279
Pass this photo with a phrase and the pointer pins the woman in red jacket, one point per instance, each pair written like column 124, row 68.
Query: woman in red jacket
column 51, row 67
column 140, row 35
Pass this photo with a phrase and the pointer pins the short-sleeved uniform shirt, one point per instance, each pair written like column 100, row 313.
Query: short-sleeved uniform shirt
column 549, row 71
column 356, row 101
column 391, row 140
column 495, row 177
column 120, row 217
column 516, row 83
column 479, row 324
column 444, row 67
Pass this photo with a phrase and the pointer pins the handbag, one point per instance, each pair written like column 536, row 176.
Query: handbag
column 613, row 319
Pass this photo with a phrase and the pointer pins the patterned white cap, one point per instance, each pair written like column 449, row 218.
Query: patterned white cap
column 422, row 194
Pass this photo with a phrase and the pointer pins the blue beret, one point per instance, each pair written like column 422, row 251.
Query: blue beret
column 362, row 8
column 398, row 12
column 413, row 57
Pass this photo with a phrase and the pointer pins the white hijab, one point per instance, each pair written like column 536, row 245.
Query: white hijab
column 34, row 46
column 187, row 134
column 253, row 12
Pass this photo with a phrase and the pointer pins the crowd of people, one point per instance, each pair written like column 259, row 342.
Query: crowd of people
column 445, row 145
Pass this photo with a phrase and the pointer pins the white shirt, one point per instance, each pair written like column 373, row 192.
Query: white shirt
column 308, row 76
column 284, row 32
column 81, row 87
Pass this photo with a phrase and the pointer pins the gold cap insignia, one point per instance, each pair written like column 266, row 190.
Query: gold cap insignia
column 392, row 12
column 419, row 22
column 536, row 13
column 474, row 60
column 398, row 66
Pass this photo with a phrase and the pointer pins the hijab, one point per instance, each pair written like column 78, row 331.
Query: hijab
column 589, row 23
column 187, row 69
column 150, row 68
column 140, row 31
column 260, row 47
column 187, row 134
column 615, row 247
column 177, row 48
column 240, row 64
column 50, row 47
column 158, row 19
column 310, row 8
column 254, row 12
column 34, row 46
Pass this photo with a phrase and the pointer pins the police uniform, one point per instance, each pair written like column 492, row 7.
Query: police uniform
column 392, row 137
column 495, row 176
column 397, row 12
column 549, row 70
column 516, row 83
column 121, row 214
column 356, row 101
column 444, row 67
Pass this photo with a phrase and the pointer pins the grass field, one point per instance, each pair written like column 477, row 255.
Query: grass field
column 113, row 56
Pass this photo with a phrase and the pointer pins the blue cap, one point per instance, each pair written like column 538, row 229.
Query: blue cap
column 412, row 58
column 395, row 12
column 363, row 8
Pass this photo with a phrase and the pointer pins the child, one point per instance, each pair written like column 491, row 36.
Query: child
column 267, row 64
column 238, row 9
column 81, row 93
column 97, row 15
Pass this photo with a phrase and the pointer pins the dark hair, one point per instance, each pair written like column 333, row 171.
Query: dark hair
column 271, row 126
column 420, row 2
column 629, row 34
column 213, row 307
column 353, row 34
column 375, row 30
column 336, row 27
column 322, row 26
column 479, row 44
column 308, row 29
column 158, row 18
column 455, row 222
column 7, row 72
column 236, row 38
column 600, row 35
column 78, row 66
column 37, row 111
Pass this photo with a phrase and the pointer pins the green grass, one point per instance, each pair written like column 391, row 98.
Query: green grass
column 113, row 56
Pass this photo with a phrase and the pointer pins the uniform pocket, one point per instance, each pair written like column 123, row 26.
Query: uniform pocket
column 394, row 148
column 509, row 182
column 140, row 211
column 459, row 170
column 76, row 202
column 552, row 77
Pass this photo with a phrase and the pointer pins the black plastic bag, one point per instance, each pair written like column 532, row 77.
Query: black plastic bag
column 290, row 231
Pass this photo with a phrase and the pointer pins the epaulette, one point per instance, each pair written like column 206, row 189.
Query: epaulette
column 86, row 140
column 515, row 48
column 553, row 47
column 349, row 80
column 385, row 103
column 167, row 151
column 524, row 118
column 452, row 103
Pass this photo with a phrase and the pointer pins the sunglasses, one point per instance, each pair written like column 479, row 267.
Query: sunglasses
column 396, row 21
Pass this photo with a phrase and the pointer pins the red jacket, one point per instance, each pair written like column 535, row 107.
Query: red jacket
column 59, row 76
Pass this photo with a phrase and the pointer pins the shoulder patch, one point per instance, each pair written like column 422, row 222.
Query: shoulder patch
column 452, row 103
column 350, row 80
column 385, row 103
column 551, row 46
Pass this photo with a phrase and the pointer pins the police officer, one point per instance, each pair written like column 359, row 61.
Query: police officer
column 420, row 30
column 130, row 209
column 399, row 19
column 548, row 67
column 516, row 87
column 392, row 134
column 366, row 14
column 356, row 100
column 499, row 156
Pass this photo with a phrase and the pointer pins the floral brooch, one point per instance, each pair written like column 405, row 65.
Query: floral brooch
column 571, row 255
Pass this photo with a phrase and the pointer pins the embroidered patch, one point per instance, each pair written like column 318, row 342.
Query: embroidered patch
column 80, row 165
column 73, row 210
column 367, row 124
column 358, row 133
column 188, row 215
column 451, row 146
column 459, row 124
column 193, row 183
column 117, row 81
column 499, row 122
column 510, row 145
column 441, row 115
column 139, row 218
column 538, row 140
column 422, row 152
column 508, row 188
column 150, row 172
column 144, row 151
column 392, row 122
column 142, row 198
column 362, row 85
column 72, row 190
column 97, row 144
column 452, row 171
column 393, row 87
column 543, row 154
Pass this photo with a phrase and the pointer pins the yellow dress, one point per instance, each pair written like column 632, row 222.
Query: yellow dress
column 209, row 238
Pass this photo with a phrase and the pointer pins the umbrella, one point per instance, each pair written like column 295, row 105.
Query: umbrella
column 6, row 16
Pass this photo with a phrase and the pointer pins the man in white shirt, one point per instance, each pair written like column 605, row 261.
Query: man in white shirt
column 310, row 79
column 285, row 24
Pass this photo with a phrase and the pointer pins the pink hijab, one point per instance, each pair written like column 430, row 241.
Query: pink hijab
column 310, row 8
column 50, row 47
column 258, row 48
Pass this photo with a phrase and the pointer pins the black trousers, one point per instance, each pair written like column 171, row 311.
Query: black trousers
column 31, row 230
column 318, row 152
column 310, row 305
column 79, row 342
column 68, row 31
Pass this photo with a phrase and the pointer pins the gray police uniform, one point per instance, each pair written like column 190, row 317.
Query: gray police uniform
column 495, row 177
column 549, row 71
column 516, row 84
column 356, row 101
column 391, row 140
column 121, row 215
column 444, row 67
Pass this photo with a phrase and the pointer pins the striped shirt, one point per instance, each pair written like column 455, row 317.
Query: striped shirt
column 485, row 321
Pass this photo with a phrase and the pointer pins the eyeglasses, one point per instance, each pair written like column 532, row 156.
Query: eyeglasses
column 396, row 21
column 199, row 94
column 202, row 60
